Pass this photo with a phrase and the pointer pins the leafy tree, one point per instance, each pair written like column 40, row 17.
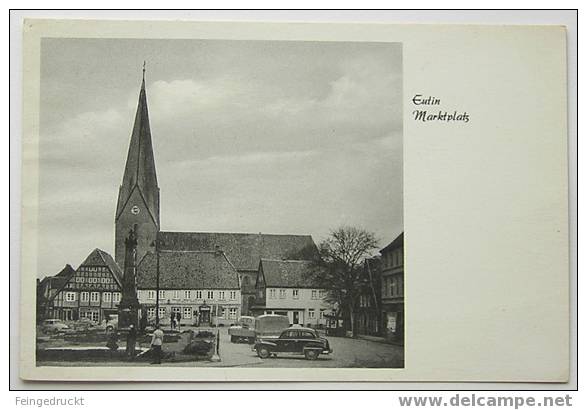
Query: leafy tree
column 339, row 269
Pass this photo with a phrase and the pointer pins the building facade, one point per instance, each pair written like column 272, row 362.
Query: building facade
column 47, row 288
column 369, row 312
column 392, row 289
column 202, row 286
column 92, row 292
column 282, row 287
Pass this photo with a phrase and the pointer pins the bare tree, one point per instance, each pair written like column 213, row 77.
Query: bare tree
column 340, row 266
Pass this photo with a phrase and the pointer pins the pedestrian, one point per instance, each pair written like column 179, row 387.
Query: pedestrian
column 143, row 322
column 172, row 320
column 112, row 341
column 156, row 344
column 178, row 318
column 131, row 340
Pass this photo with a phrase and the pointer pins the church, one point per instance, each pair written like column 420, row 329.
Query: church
column 208, row 278
column 204, row 274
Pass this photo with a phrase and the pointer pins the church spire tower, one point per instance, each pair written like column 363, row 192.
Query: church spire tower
column 138, row 197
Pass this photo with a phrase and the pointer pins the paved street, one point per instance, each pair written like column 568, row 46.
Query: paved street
column 347, row 352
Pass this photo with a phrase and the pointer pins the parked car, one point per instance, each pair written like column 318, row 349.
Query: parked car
column 54, row 326
column 299, row 340
column 110, row 324
column 243, row 330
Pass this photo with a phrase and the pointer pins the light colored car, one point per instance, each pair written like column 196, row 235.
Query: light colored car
column 243, row 330
column 109, row 325
column 54, row 326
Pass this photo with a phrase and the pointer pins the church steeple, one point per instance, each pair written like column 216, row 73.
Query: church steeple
column 138, row 197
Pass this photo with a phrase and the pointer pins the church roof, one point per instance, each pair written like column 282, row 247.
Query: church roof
column 244, row 250
column 187, row 270
column 286, row 273
column 139, row 171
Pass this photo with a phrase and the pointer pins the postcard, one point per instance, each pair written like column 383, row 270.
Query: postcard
column 236, row 201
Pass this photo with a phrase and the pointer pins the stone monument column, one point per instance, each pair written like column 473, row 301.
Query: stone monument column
column 129, row 303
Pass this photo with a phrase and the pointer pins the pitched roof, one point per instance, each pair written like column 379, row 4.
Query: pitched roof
column 100, row 258
column 97, row 257
column 244, row 250
column 187, row 270
column 139, row 170
column 286, row 273
column 396, row 243
column 66, row 272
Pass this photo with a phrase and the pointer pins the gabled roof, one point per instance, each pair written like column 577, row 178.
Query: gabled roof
column 286, row 273
column 100, row 258
column 97, row 258
column 396, row 243
column 139, row 171
column 244, row 250
column 187, row 270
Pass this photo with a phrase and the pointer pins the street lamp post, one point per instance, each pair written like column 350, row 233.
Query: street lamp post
column 157, row 243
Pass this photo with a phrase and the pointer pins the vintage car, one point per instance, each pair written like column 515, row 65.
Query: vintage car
column 295, row 340
column 53, row 326
column 243, row 330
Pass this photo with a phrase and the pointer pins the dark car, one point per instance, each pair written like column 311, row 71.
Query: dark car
column 298, row 340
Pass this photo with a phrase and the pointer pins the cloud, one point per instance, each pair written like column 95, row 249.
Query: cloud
column 296, row 140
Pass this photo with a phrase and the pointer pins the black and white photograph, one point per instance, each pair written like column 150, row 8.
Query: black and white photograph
column 220, row 203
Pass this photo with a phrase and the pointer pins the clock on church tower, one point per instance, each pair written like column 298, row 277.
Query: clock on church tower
column 138, row 196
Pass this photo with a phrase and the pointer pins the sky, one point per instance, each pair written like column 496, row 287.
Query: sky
column 248, row 136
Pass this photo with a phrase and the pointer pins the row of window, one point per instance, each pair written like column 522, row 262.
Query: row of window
column 81, row 279
column 99, row 269
column 295, row 294
column 312, row 313
column 188, row 312
column 364, row 301
column 93, row 296
column 187, row 294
